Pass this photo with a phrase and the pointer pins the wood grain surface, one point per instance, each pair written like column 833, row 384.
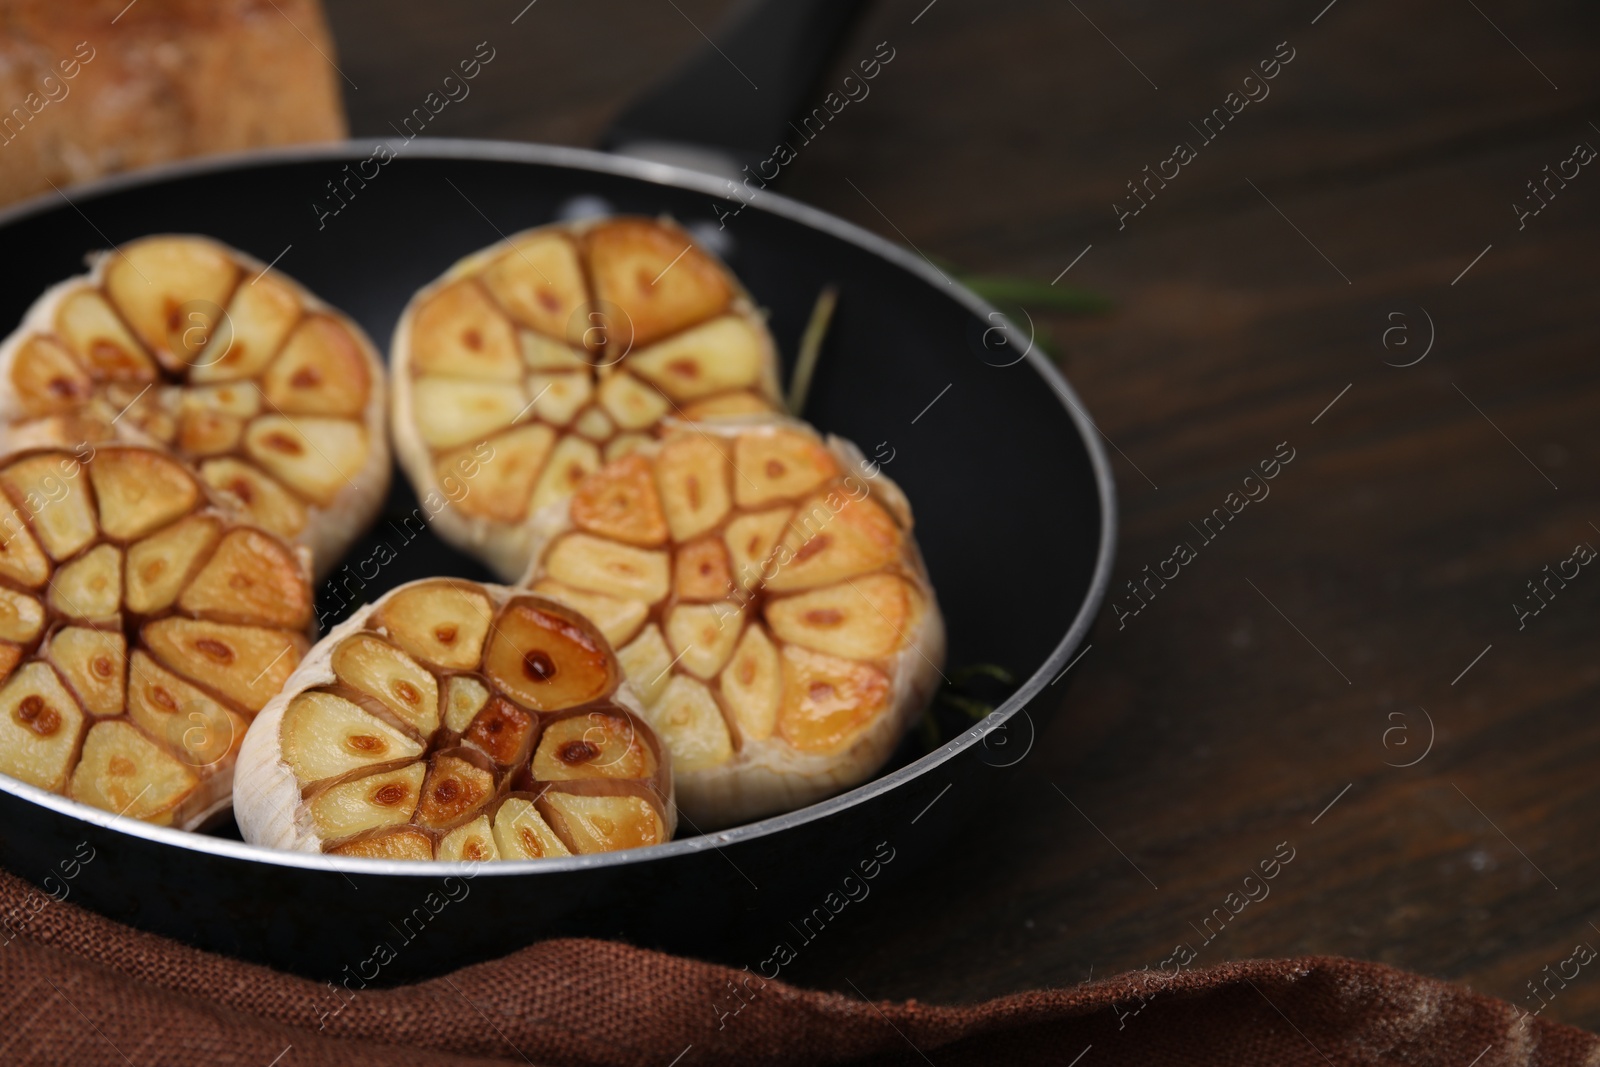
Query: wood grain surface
column 1268, row 692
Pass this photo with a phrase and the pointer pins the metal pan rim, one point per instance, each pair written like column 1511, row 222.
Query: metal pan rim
column 677, row 177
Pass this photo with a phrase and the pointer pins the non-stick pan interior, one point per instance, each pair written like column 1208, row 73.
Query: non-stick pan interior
column 1011, row 495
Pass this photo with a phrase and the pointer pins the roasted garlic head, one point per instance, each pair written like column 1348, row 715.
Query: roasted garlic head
column 456, row 721
column 141, row 627
column 531, row 363
column 183, row 342
column 767, row 601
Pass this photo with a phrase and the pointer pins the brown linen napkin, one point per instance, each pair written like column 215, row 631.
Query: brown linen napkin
column 81, row 989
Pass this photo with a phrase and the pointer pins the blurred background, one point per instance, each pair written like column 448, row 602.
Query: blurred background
column 1382, row 257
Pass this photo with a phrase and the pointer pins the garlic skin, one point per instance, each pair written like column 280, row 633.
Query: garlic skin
column 266, row 794
column 845, row 638
column 521, row 401
column 276, row 801
column 75, row 371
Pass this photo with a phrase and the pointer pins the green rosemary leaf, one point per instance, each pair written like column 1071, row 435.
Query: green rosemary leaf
column 960, row 676
column 1038, row 296
column 975, row 709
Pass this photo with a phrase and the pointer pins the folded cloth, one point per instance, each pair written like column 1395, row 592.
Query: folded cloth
column 81, row 989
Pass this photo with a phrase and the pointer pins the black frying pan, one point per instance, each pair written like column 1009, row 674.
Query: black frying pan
column 1015, row 513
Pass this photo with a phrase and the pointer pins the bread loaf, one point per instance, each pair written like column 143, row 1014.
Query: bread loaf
column 92, row 87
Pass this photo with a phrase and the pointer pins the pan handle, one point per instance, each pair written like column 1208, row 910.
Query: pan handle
column 732, row 100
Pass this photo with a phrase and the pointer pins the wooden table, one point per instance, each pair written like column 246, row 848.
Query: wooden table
column 1361, row 214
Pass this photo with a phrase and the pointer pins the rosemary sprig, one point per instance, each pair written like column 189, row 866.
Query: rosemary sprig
column 963, row 675
column 805, row 362
column 1006, row 291
column 961, row 695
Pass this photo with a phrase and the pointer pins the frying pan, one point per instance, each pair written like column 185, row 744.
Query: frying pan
column 1015, row 513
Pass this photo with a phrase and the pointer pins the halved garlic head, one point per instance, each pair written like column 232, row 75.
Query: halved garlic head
column 456, row 721
column 141, row 627
column 277, row 399
column 767, row 601
column 531, row 363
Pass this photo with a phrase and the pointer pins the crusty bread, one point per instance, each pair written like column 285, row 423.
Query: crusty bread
column 82, row 97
